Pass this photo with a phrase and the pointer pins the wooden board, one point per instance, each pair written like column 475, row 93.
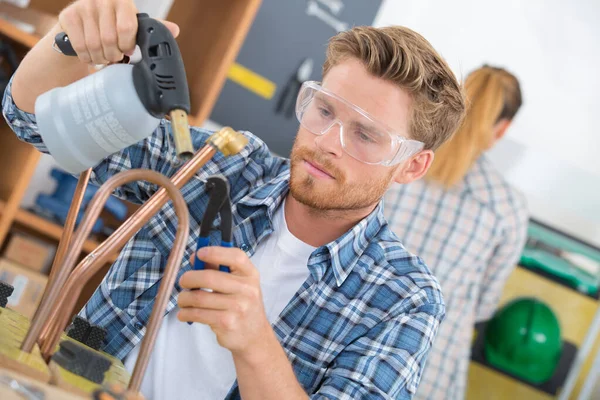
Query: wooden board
column 50, row 392
column 212, row 33
column 13, row 328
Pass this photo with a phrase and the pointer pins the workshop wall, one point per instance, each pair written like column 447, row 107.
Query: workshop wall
column 285, row 33
column 551, row 150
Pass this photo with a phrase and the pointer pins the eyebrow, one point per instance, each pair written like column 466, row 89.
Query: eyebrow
column 322, row 99
column 369, row 128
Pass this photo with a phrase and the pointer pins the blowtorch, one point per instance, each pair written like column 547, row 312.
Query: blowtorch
column 119, row 105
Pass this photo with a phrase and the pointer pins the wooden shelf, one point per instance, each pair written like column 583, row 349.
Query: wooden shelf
column 49, row 228
column 40, row 22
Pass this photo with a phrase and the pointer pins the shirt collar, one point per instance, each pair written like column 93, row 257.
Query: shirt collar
column 345, row 251
column 266, row 195
column 342, row 254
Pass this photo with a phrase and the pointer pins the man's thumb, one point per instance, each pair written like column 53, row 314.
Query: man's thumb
column 172, row 26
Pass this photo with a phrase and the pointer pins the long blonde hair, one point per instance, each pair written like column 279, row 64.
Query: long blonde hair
column 493, row 94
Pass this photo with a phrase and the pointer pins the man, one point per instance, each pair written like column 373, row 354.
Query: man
column 322, row 300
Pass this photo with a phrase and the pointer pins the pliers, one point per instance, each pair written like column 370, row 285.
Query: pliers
column 218, row 204
column 287, row 99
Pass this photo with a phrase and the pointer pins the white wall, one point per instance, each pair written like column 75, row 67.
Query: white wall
column 553, row 148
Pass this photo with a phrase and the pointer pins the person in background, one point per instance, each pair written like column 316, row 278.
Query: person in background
column 467, row 223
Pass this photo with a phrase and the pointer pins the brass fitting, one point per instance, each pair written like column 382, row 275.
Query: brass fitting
column 228, row 141
column 181, row 134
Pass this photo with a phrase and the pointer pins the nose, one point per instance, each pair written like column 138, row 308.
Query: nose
column 330, row 141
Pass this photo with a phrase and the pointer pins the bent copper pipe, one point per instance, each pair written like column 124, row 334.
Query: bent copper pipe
column 85, row 270
column 131, row 226
column 40, row 326
column 226, row 140
column 65, row 239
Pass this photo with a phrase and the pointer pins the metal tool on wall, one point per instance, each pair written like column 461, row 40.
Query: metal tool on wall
column 314, row 10
column 286, row 104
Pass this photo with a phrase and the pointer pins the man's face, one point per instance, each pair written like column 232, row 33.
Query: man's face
column 323, row 176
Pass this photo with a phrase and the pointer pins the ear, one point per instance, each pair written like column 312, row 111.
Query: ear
column 500, row 130
column 415, row 167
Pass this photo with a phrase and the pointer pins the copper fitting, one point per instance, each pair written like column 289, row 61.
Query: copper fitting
column 181, row 134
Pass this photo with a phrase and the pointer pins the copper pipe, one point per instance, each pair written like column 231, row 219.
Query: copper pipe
column 85, row 270
column 226, row 140
column 65, row 238
column 132, row 226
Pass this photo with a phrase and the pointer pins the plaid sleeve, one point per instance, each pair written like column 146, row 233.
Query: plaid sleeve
column 387, row 362
column 504, row 258
column 156, row 152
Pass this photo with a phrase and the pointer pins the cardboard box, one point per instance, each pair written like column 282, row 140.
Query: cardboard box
column 29, row 287
column 30, row 252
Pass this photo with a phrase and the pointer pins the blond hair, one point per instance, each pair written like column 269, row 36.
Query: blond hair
column 493, row 95
column 402, row 56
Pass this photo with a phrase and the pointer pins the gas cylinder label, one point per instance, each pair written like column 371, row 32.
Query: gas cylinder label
column 80, row 89
column 98, row 138
column 75, row 110
column 99, row 118
column 117, row 129
column 91, row 98
column 101, row 93
column 108, row 134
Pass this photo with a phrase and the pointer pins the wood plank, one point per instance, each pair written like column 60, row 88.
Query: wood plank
column 41, row 23
column 212, row 33
column 53, row 7
column 51, row 229
column 14, row 156
column 26, row 168
column 49, row 392
column 47, row 228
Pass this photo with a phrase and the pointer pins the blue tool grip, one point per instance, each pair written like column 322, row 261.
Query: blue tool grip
column 223, row 268
column 202, row 242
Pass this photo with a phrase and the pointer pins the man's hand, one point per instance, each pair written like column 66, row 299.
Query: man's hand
column 236, row 314
column 234, row 310
column 102, row 31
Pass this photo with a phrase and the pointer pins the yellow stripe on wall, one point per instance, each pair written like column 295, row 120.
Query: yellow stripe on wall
column 251, row 81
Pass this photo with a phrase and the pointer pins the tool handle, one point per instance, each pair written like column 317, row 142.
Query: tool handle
column 64, row 44
column 203, row 242
column 159, row 78
column 198, row 263
column 223, row 268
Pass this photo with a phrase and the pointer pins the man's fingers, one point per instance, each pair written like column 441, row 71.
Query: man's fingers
column 206, row 265
column 91, row 31
column 208, row 317
column 71, row 23
column 218, row 281
column 234, row 258
column 126, row 27
column 108, row 34
column 172, row 26
column 205, row 300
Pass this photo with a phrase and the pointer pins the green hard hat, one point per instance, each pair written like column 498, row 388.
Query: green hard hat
column 523, row 338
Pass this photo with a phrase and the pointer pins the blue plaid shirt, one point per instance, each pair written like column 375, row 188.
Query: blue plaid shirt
column 360, row 326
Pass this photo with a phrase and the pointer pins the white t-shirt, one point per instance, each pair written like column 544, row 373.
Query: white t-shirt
column 187, row 362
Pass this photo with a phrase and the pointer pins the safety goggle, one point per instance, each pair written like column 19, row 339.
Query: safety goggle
column 362, row 137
